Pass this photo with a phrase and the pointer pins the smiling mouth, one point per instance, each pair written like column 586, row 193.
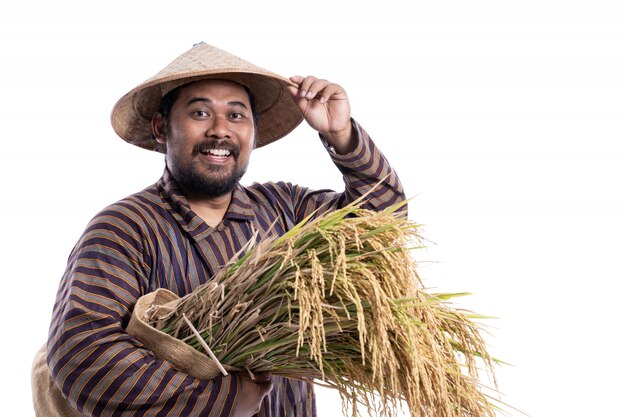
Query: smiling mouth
column 220, row 153
column 213, row 150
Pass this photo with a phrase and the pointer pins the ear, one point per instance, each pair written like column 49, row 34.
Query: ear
column 158, row 127
column 255, row 141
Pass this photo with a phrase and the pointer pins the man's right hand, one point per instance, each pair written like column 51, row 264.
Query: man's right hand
column 251, row 394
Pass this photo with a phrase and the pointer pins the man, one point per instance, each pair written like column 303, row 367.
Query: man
column 206, row 111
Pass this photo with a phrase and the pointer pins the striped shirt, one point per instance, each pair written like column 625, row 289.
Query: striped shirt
column 152, row 240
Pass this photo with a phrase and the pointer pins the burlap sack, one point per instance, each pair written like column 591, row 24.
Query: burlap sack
column 178, row 353
column 47, row 397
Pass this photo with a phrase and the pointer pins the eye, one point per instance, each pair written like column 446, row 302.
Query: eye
column 200, row 113
column 237, row 116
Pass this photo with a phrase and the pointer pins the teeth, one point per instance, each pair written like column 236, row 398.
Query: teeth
column 219, row 152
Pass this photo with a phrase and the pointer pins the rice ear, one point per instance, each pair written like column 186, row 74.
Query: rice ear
column 338, row 299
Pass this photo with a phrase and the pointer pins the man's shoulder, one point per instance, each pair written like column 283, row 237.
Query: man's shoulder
column 268, row 192
column 139, row 208
column 269, row 185
column 144, row 199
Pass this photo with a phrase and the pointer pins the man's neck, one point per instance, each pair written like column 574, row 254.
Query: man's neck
column 210, row 209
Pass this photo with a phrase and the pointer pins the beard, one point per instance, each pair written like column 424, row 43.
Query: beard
column 191, row 178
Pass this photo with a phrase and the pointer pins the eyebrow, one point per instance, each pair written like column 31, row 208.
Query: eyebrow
column 206, row 100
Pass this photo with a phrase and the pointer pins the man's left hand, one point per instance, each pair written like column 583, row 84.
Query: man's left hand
column 326, row 108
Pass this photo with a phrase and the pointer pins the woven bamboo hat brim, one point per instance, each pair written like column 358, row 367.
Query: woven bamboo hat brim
column 277, row 113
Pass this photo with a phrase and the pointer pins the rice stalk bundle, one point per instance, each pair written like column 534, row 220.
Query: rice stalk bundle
column 338, row 299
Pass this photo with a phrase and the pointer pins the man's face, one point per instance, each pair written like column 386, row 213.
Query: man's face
column 209, row 136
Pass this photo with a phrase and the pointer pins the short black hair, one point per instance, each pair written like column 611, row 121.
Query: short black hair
column 170, row 98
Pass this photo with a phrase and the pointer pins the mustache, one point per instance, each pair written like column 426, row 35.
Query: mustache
column 225, row 144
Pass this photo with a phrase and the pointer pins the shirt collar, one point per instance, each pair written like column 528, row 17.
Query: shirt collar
column 239, row 209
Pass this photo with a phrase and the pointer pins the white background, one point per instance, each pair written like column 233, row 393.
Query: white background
column 504, row 118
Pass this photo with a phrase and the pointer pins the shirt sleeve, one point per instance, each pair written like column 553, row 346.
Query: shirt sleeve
column 366, row 172
column 99, row 368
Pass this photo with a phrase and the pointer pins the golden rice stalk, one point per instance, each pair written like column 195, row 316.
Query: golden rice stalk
column 338, row 299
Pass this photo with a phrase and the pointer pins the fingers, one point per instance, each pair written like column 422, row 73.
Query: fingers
column 252, row 393
column 311, row 87
column 265, row 387
column 261, row 377
column 263, row 382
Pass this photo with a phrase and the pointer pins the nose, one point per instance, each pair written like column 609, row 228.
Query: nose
column 218, row 128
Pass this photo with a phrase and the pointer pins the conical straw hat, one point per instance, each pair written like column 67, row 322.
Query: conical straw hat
column 277, row 113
